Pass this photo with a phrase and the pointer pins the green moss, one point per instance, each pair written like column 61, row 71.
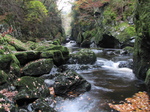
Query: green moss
column 38, row 67
column 1, row 51
column 20, row 46
column 31, row 44
column 110, row 15
column 6, row 60
column 129, row 49
column 147, row 80
column 3, row 77
column 31, row 87
column 84, row 56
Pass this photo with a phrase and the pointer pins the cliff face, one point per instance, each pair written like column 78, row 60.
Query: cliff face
column 142, row 44
column 98, row 21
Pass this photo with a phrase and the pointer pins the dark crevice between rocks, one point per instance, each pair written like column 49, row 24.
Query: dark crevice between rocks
column 25, row 101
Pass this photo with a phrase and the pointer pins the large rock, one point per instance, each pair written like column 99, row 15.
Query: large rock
column 17, row 44
column 42, row 104
column 26, row 56
column 84, row 56
column 70, row 82
column 30, row 89
column 38, row 67
column 10, row 64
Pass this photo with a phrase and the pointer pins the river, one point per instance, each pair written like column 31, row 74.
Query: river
column 109, row 83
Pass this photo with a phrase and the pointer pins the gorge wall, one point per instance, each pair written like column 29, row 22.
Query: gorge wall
column 107, row 23
column 142, row 44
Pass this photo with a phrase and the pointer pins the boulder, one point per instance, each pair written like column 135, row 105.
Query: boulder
column 84, row 56
column 10, row 64
column 17, row 44
column 42, row 104
column 30, row 89
column 70, row 81
column 128, row 64
column 56, row 55
column 38, row 67
column 26, row 56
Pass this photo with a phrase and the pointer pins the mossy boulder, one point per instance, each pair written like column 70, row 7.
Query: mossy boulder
column 84, row 56
column 30, row 89
column 8, row 62
column 32, row 45
column 60, row 54
column 17, row 44
column 56, row 55
column 26, row 56
column 38, row 67
column 70, row 81
column 43, row 104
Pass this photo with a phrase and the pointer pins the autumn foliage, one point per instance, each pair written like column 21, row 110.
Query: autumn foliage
column 140, row 102
column 85, row 4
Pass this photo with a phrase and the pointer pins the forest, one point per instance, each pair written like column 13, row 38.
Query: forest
column 50, row 62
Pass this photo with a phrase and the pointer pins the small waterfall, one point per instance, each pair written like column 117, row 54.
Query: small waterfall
column 65, row 6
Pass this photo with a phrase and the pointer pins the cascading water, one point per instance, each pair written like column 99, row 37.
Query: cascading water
column 109, row 84
column 65, row 6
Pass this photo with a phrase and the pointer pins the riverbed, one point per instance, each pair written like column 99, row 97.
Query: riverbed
column 110, row 83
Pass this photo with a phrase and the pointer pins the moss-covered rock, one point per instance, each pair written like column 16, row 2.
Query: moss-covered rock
column 26, row 56
column 3, row 77
column 7, row 60
column 56, row 55
column 30, row 89
column 84, row 56
column 70, row 82
column 38, row 67
column 43, row 104
column 59, row 53
column 32, row 45
column 17, row 44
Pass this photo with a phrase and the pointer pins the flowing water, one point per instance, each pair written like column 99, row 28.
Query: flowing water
column 109, row 83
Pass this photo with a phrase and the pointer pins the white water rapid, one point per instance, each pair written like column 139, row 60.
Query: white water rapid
column 65, row 6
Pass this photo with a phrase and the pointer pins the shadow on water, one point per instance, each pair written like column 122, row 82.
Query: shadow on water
column 109, row 84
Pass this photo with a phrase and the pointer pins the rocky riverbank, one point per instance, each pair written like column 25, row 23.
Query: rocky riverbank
column 29, row 80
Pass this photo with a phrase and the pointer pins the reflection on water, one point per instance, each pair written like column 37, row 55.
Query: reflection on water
column 109, row 84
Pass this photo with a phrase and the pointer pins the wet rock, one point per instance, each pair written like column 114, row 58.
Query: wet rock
column 49, row 82
column 128, row 64
column 86, row 44
column 70, row 82
column 38, row 67
column 30, row 89
column 43, row 104
column 84, row 56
